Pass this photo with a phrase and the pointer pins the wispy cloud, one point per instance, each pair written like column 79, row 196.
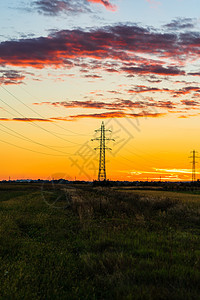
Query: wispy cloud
column 106, row 3
column 25, row 119
column 173, row 171
column 121, row 50
column 190, row 102
column 154, row 3
column 118, row 114
column 113, row 114
column 119, row 104
column 121, row 43
column 11, row 77
column 180, row 24
column 55, row 7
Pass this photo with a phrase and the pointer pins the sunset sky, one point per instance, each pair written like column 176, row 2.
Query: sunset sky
column 66, row 66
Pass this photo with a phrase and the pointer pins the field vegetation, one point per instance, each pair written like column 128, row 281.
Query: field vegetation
column 80, row 242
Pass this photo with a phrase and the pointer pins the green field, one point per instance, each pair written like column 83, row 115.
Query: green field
column 95, row 243
column 180, row 196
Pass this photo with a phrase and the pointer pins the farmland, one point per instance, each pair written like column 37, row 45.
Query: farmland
column 183, row 197
column 79, row 242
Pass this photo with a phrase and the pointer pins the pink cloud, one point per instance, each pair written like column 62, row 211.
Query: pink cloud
column 106, row 3
column 154, row 3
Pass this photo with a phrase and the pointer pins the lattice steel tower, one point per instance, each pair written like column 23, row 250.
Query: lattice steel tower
column 194, row 157
column 102, row 147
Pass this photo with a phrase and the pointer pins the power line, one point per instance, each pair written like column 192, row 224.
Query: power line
column 25, row 138
column 33, row 122
column 28, row 139
column 57, row 125
column 154, row 158
column 21, row 136
column 20, row 147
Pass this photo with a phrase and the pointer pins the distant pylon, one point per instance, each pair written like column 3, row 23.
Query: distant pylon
column 193, row 162
column 102, row 147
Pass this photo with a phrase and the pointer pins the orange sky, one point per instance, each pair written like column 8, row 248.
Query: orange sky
column 66, row 67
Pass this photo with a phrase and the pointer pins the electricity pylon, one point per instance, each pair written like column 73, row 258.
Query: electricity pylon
column 193, row 162
column 102, row 147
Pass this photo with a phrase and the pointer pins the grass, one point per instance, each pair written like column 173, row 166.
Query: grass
column 85, row 243
column 182, row 196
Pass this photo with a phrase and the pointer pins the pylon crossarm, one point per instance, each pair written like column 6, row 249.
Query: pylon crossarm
column 97, row 139
column 107, row 139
